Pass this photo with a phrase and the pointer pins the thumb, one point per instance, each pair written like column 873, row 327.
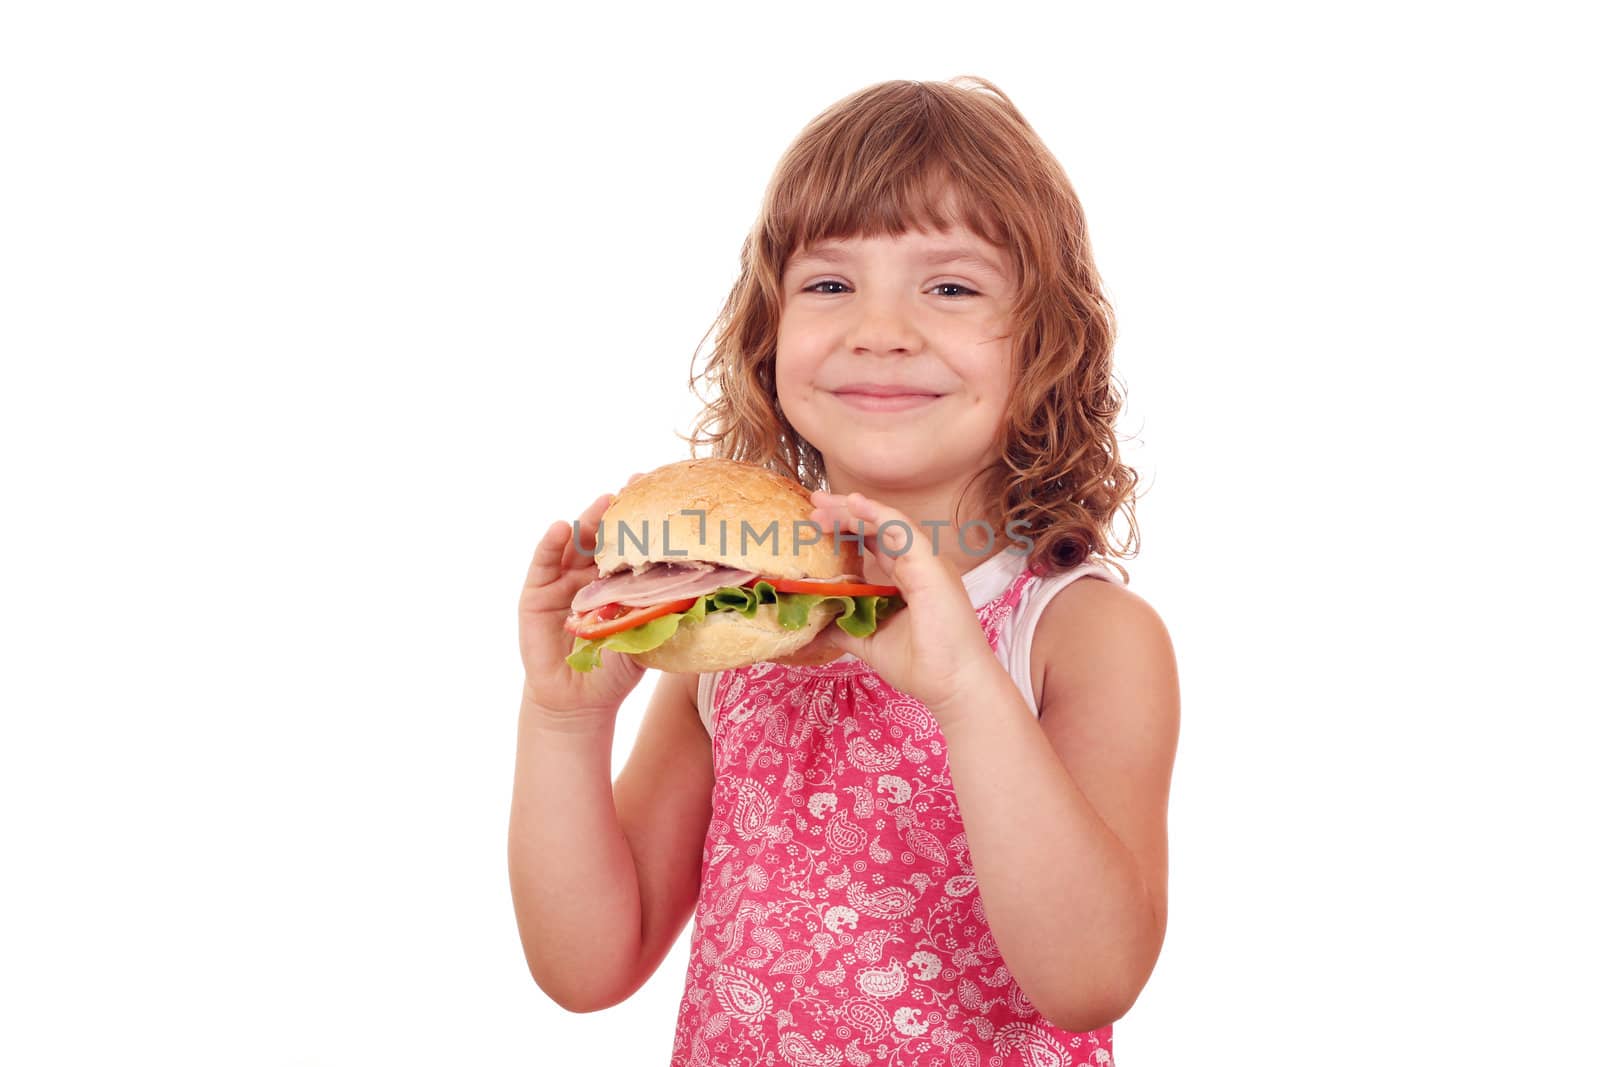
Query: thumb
column 856, row 646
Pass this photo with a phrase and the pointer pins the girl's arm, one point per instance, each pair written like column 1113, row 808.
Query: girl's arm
column 603, row 879
column 1066, row 815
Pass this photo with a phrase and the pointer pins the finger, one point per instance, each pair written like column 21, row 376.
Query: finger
column 547, row 555
column 588, row 527
column 837, row 510
column 906, row 558
column 842, row 526
column 591, row 514
column 855, row 646
column 860, row 514
column 853, row 526
column 551, row 583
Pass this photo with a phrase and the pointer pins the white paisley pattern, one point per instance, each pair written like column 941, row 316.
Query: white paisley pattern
column 839, row 919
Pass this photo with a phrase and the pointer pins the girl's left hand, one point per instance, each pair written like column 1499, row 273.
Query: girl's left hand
column 933, row 647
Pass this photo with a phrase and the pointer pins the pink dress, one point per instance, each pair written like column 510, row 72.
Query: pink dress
column 839, row 920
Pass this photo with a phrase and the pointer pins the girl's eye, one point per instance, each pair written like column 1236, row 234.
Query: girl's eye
column 964, row 291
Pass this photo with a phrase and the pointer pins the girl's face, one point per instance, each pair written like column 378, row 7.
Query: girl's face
column 922, row 316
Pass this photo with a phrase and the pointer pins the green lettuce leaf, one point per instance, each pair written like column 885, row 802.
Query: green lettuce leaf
column 857, row 615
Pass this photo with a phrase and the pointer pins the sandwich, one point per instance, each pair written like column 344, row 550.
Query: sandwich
column 711, row 564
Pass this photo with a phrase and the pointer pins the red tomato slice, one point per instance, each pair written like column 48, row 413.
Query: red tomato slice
column 795, row 585
column 613, row 618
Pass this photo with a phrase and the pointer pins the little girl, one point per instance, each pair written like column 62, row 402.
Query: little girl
column 947, row 846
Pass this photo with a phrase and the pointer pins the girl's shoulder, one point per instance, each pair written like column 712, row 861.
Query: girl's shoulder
column 1092, row 629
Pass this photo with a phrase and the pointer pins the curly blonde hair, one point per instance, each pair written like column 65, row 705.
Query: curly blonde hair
column 878, row 163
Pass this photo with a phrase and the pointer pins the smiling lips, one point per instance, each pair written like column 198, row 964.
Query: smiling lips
column 884, row 397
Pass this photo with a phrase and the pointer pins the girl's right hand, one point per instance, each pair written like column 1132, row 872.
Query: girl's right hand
column 558, row 571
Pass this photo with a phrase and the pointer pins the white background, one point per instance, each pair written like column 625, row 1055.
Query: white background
column 315, row 315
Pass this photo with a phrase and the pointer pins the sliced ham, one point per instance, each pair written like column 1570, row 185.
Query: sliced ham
column 838, row 579
column 657, row 582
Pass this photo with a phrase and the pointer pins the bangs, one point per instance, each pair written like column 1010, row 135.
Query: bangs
column 879, row 194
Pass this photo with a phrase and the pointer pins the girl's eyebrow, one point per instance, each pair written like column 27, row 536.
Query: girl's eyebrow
column 932, row 257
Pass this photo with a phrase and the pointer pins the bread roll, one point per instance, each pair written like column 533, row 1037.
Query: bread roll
column 741, row 501
column 761, row 517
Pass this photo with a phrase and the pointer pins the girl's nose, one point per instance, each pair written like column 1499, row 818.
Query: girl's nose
column 883, row 325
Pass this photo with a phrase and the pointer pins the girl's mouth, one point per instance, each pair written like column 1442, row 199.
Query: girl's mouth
column 892, row 402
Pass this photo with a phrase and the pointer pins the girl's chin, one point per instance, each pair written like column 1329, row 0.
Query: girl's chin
column 890, row 468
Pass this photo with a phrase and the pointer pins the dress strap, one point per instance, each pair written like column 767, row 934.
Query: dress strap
column 705, row 696
column 1034, row 596
column 994, row 615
